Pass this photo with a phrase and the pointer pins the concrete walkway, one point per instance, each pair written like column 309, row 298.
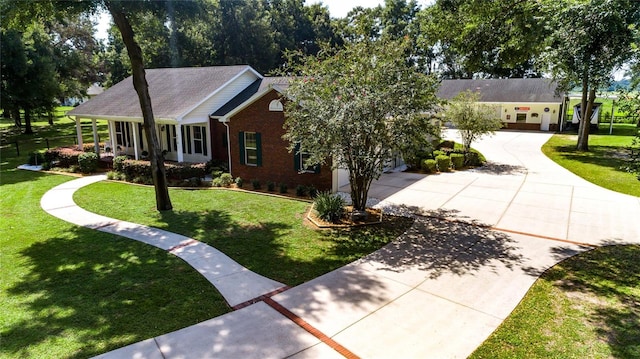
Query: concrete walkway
column 236, row 283
column 444, row 286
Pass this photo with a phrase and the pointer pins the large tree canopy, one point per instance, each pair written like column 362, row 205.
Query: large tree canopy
column 591, row 39
column 359, row 107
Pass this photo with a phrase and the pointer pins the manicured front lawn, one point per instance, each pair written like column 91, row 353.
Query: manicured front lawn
column 602, row 165
column 263, row 233
column 585, row 307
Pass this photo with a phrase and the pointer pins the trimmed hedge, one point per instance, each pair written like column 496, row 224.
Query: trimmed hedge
column 88, row 162
column 429, row 165
column 443, row 162
column 177, row 171
column 446, row 144
column 457, row 160
column 65, row 156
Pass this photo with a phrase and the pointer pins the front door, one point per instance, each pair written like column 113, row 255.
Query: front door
column 546, row 120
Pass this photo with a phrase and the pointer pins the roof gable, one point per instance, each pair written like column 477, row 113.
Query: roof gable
column 251, row 94
column 174, row 92
column 504, row 90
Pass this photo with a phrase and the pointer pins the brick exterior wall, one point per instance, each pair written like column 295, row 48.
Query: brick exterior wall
column 277, row 162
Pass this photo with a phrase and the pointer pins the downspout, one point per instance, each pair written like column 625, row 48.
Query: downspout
column 225, row 123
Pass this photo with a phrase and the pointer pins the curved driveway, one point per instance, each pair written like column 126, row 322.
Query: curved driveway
column 441, row 288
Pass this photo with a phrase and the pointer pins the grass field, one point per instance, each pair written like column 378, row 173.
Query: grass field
column 603, row 164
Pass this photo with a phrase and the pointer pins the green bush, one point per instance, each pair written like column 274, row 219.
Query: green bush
column 457, row 160
column 301, row 190
column 443, row 162
column 65, row 157
column 35, row 158
column 428, row 165
column 239, row 182
column 446, row 144
column 226, row 179
column 185, row 170
column 216, row 173
column 118, row 163
column 473, row 159
column 283, row 188
column 88, row 162
column 438, row 153
column 329, row 207
column 216, row 182
column 46, row 166
column 256, row 184
column 271, row 186
column 312, row 191
column 134, row 169
column 115, row 176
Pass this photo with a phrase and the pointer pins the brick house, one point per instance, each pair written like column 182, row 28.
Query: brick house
column 226, row 113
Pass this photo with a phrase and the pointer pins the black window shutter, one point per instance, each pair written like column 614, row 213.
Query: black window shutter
column 242, row 154
column 188, row 130
column 204, row 141
column 259, row 148
column 167, row 131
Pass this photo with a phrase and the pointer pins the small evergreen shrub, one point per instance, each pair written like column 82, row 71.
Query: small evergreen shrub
column 256, row 184
column 472, row 159
column 429, row 166
column 88, row 162
column 271, row 186
column 225, row 179
column 216, row 182
column 134, row 169
column 35, row 158
column 118, row 163
column 115, row 176
column 438, row 153
column 301, row 190
column 446, row 144
column 185, row 170
column 65, row 157
column 283, row 188
column 329, row 207
column 239, row 182
column 443, row 162
column 457, row 160
column 46, row 166
column 216, row 173
column 312, row 191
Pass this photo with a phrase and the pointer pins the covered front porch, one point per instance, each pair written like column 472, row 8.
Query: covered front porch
column 179, row 142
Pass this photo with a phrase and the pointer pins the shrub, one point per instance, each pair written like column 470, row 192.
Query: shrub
column 115, row 176
column 35, row 158
column 313, row 191
column 46, row 166
column 472, row 159
column 64, row 156
column 118, row 163
column 239, row 182
column 330, row 207
column 88, row 162
column 443, row 162
column 438, row 153
column 143, row 180
column 446, row 144
column 283, row 188
column 225, row 179
column 271, row 186
column 428, row 165
column 301, row 190
column 216, row 173
column 256, row 184
column 457, row 160
column 185, row 170
column 133, row 169
column 216, row 182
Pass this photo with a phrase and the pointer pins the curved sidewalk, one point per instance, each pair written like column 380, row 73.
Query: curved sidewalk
column 236, row 283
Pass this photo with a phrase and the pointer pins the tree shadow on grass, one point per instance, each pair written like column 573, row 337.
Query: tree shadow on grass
column 607, row 281
column 90, row 292
column 602, row 156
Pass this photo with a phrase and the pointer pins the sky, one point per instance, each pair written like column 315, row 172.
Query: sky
column 337, row 8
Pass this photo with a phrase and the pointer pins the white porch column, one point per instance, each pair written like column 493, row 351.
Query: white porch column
column 135, row 140
column 94, row 127
column 179, row 142
column 79, row 131
column 112, row 136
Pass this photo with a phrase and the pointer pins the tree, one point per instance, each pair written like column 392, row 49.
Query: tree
column 358, row 107
column 591, row 39
column 472, row 119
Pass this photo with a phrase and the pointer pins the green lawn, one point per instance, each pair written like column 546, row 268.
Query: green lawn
column 70, row 292
column 585, row 307
column 603, row 164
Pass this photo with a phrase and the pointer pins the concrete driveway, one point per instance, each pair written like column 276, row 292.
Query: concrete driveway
column 520, row 190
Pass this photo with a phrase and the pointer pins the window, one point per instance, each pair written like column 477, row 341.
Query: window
column 300, row 159
column 250, row 148
column 123, row 133
column 199, row 140
column 276, row 105
column 521, row 117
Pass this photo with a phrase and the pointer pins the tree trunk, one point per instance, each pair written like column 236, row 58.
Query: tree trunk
column 583, row 110
column 583, row 136
column 158, row 173
column 27, row 122
column 15, row 113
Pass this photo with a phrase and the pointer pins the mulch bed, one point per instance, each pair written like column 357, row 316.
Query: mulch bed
column 374, row 216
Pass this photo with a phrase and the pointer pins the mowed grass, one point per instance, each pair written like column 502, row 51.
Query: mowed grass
column 603, row 164
column 585, row 307
column 263, row 233
column 70, row 292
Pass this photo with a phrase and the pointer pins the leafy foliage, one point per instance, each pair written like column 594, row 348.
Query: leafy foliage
column 359, row 106
column 473, row 120
column 330, row 207
column 88, row 162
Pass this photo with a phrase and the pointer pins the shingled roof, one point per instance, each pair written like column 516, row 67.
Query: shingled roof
column 173, row 91
column 503, row 90
column 258, row 87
